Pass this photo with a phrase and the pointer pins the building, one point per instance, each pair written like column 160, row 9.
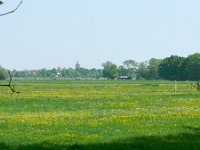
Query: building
column 77, row 66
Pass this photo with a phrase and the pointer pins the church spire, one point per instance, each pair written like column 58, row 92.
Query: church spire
column 77, row 65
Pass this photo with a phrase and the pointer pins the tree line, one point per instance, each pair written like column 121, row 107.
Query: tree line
column 170, row 68
column 59, row 73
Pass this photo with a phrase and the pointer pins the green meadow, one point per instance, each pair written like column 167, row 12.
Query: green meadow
column 99, row 115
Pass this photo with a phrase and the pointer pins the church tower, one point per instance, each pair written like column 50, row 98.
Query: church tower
column 77, row 66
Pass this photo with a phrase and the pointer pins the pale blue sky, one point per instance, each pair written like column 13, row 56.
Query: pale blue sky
column 47, row 34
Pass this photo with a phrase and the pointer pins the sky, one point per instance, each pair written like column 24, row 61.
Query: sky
column 50, row 34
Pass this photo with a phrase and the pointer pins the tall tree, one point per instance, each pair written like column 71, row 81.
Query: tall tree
column 142, row 70
column 110, row 70
column 153, row 68
column 192, row 67
column 171, row 68
column 122, row 71
column 131, row 67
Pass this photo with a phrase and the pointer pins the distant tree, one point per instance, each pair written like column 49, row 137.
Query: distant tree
column 3, row 73
column 1, row 2
column 110, row 70
column 64, row 72
column 142, row 70
column 100, row 74
column 171, row 68
column 19, row 74
column 43, row 73
column 131, row 67
column 53, row 72
column 122, row 71
column 153, row 67
column 70, row 73
column 192, row 68
column 84, row 73
column 94, row 73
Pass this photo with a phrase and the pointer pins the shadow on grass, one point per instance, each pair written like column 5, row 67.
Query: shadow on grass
column 185, row 141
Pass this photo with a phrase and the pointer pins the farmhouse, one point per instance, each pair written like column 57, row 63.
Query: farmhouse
column 125, row 78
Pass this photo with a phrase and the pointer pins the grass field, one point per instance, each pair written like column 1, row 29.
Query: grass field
column 99, row 115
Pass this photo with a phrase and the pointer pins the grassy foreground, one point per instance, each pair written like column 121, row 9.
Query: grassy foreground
column 99, row 115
